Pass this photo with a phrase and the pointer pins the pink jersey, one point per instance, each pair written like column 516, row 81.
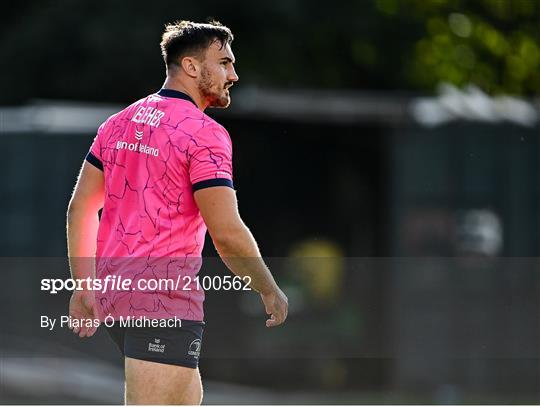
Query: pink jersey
column 154, row 155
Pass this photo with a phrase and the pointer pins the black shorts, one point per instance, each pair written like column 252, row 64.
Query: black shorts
column 179, row 346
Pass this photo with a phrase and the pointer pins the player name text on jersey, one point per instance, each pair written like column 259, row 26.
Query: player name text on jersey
column 148, row 115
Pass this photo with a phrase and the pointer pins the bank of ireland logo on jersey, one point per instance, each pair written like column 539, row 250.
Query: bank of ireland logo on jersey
column 156, row 346
column 137, row 146
column 195, row 348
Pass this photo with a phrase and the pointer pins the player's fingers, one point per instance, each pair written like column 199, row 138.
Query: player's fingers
column 92, row 330
column 73, row 315
column 267, row 309
column 270, row 322
column 75, row 327
column 274, row 321
column 82, row 331
column 87, row 324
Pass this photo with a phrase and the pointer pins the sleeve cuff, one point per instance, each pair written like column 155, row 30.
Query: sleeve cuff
column 92, row 159
column 214, row 182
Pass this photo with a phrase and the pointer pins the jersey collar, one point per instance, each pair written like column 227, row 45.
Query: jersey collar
column 171, row 93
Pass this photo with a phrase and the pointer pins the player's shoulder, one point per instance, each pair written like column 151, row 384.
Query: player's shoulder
column 211, row 128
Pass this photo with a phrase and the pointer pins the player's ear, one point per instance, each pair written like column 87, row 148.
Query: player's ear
column 190, row 66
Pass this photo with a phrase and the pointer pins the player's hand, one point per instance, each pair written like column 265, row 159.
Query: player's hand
column 277, row 306
column 82, row 307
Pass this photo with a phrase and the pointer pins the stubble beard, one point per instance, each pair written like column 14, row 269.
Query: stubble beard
column 215, row 95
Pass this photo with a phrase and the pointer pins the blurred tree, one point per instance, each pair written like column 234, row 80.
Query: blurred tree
column 77, row 49
column 494, row 44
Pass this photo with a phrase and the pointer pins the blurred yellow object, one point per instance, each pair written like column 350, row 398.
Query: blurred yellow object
column 319, row 266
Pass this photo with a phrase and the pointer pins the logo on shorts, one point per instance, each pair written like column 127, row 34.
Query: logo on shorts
column 195, row 348
column 156, row 347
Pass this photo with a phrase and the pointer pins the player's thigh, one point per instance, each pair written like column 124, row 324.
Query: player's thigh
column 194, row 395
column 160, row 383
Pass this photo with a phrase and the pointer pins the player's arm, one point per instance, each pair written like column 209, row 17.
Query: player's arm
column 82, row 216
column 238, row 249
column 82, row 226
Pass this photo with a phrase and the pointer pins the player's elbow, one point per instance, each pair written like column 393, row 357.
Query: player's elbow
column 229, row 240
column 74, row 211
column 78, row 208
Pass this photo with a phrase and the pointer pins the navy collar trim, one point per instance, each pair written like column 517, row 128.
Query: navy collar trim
column 171, row 93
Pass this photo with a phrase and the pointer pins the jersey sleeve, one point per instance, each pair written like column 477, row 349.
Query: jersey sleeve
column 94, row 155
column 210, row 158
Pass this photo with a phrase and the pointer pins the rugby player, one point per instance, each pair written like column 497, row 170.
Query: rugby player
column 161, row 170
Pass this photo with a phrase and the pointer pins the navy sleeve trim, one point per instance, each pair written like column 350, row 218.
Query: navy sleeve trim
column 92, row 159
column 215, row 182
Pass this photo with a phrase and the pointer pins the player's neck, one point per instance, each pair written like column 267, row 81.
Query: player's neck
column 194, row 94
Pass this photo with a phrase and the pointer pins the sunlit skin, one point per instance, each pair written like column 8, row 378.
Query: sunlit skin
column 206, row 77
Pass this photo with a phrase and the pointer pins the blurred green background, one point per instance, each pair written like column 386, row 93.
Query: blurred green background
column 109, row 51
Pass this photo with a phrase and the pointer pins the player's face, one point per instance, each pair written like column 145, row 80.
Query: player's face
column 217, row 75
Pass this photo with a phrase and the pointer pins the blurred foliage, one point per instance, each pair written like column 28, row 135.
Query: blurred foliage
column 80, row 49
column 494, row 44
